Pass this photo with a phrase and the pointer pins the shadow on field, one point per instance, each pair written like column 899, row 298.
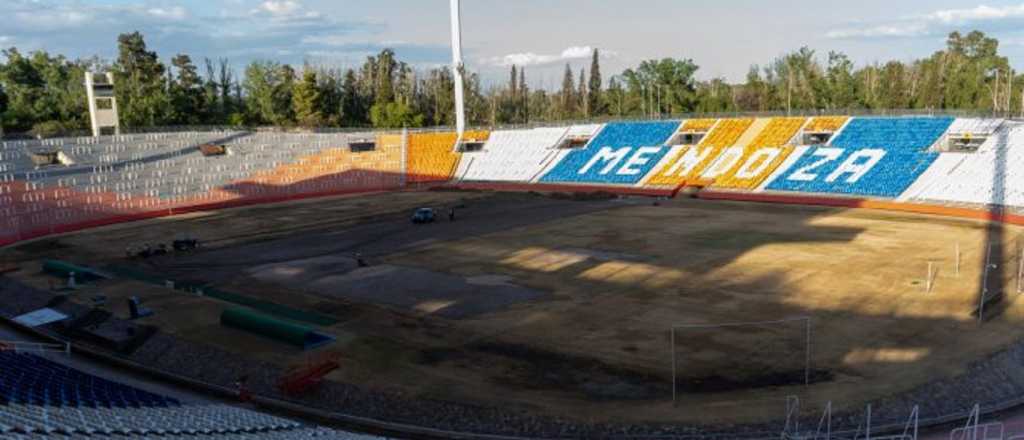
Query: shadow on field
column 991, row 298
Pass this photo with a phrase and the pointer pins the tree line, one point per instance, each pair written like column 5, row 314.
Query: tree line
column 43, row 94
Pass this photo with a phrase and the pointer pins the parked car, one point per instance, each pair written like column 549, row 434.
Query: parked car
column 423, row 215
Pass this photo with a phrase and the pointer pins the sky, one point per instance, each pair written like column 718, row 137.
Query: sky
column 724, row 37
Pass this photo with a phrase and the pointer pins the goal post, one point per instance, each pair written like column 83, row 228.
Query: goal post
column 797, row 325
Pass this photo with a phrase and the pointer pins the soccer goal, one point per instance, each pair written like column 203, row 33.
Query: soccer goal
column 722, row 357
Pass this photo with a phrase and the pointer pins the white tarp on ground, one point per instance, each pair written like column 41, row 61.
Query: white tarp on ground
column 40, row 317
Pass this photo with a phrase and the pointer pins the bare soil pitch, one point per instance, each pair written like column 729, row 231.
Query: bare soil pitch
column 565, row 306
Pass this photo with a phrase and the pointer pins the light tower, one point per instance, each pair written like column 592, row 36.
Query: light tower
column 99, row 89
column 457, row 68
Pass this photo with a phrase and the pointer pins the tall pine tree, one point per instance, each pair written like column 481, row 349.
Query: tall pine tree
column 595, row 99
column 141, row 92
column 306, row 100
column 567, row 97
column 583, row 95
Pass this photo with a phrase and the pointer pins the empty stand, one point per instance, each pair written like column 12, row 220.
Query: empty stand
column 686, row 164
column 878, row 157
column 431, row 157
column 693, row 131
column 116, row 178
column 27, row 379
column 969, row 134
column 819, row 130
column 756, row 160
column 622, row 153
column 40, row 397
column 513, row 155
column 990, row 176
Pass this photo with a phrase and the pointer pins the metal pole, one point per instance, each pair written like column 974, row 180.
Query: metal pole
column 457, row 67
column 929, row 283
column 673, row 338
column 958, row 259
column 807, row 354
column 984, row 284
column 867, row 423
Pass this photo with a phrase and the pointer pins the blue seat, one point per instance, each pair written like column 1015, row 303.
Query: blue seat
column 903, row 143
column 32, row 380
column 616, row 136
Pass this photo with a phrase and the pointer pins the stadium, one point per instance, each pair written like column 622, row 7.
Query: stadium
column 797, row 275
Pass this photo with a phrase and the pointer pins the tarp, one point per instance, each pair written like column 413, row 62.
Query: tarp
column 40, row 317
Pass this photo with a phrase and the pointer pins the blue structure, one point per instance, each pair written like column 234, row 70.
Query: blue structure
column 903, row 134
column 32, row 380
column 877, row 157
column 864, row 172
column 622, row 153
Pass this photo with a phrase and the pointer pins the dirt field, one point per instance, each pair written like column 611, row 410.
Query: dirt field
column 565, row 306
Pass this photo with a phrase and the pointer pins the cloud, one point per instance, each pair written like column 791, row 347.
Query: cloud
column 281, row 30
column 533, row 59
column 881, row 31
column 173, row 13
column 977, row 14
column 286, row 7
column 345, row 48
column 936, row 23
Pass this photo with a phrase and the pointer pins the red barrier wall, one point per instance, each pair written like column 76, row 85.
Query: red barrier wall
column 843, row 202
column 546, row 187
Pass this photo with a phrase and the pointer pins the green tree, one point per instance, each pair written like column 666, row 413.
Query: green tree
column 384, row 92
column 331, row 97
column 266, row 99
column 187, row 95
column 306, row 100
column 715, row 96
column 524, row 97
column 394, row 115
column 595, row 103
column 670, row 79
column 216, row 112
column 567, row 97
column 40, row 88
column 140, row 84
column 615, row 97
column 226, row 83
column 842, row 89
column 582, row 95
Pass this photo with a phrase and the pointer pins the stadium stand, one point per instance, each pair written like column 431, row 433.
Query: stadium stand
column 431, row 157
column 975, row 126
column 985, row 177
column 698, row 125
column 687, row 163
column 40, row 398
column 45, row 186
column 513, row 156
column 825, row 124
column 752, row 162
column 622, row 153
column 27, row 379
column 877, row 157
column 587, row 130
column 375, row 164
column 113, row 179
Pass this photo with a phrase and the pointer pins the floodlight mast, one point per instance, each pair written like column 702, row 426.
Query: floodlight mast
column 457, row 68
